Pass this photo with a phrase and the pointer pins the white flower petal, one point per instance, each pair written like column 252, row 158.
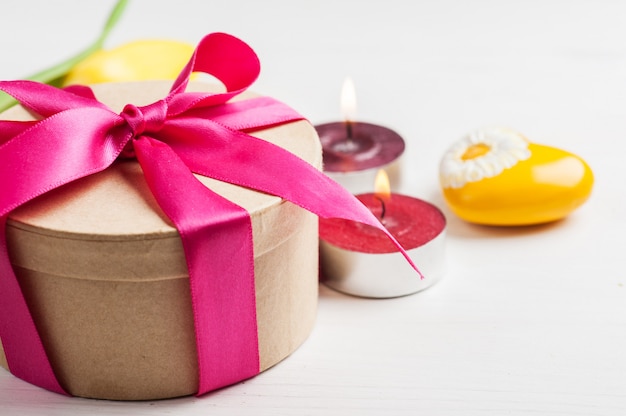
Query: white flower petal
column 507, row 148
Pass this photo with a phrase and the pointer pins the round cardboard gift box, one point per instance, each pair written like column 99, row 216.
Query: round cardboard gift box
column 105, row 278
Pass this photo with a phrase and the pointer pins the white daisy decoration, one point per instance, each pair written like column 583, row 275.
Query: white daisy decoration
column 482, row 153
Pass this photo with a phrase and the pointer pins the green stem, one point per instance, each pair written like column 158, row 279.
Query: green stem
column 54, row 75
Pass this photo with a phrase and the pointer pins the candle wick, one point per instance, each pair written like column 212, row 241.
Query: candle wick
column 348, row 130
column 383, row 209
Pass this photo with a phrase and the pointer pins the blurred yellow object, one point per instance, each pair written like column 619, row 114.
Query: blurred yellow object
column 495, row 176
column 140, row 60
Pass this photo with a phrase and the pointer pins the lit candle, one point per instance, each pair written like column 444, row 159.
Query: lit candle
column 360, row 260
column 354, row 151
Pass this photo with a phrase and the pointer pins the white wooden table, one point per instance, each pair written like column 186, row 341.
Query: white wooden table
column 526, row 321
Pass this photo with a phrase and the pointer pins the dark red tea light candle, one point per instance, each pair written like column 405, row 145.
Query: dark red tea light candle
column 360, row 260
column 354, row 151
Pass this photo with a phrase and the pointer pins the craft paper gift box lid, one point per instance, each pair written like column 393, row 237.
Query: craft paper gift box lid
column 105, row 277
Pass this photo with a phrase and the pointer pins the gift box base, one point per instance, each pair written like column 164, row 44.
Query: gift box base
column 134, row 340
column 104, row 275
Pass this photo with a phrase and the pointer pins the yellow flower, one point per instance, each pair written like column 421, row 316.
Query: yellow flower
column 140, row 60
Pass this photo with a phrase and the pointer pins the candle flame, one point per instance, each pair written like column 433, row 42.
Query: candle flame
column 348, row 100
column 382, row 189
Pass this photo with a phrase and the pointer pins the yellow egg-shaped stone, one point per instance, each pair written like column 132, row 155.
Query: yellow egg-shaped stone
column 546, row 185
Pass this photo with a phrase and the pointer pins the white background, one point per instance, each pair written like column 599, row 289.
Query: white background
column 526, row 321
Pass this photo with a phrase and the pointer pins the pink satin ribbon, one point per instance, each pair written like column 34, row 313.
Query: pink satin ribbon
column 185, row 132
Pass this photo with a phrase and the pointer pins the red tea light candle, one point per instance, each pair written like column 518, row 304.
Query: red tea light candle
column 354, row 151
column 360, row 260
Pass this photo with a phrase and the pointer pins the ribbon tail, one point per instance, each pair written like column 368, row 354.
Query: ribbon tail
column 279, row 172
column 20, row 340
column 32, row 163
column 217, row 240
column 321, row 195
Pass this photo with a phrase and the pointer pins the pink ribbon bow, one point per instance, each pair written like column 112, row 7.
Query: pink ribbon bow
column 185, row 132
